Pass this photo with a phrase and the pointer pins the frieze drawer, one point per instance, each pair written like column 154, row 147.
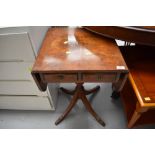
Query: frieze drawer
column 99, row 77
column 59, row 77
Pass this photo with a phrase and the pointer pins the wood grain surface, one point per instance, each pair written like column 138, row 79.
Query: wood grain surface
column 141, row 63
column 76, row 49
column 144, row 35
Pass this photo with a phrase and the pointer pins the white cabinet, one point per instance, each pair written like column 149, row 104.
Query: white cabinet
column 15, row 70
column 16, row 47
column 20, row 88
column 25, row 103
column 17, row 87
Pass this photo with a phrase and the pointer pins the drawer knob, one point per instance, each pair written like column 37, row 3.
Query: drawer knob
column 99, row 77
column 61, row 77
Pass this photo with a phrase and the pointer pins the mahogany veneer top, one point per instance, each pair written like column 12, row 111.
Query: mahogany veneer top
column 141, row 63
column 76, row 49
column 144, row 35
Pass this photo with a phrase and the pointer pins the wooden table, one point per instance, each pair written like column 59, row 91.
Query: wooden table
column 144, row 35
column 75, row 55
column 139, row 91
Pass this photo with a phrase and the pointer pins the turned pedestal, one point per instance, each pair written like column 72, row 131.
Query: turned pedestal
column 80, row 93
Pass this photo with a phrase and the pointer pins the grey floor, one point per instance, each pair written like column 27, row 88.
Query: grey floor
column 110, row 110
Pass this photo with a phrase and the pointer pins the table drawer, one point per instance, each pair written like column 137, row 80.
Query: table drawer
column 60, row 77
column 99, row 77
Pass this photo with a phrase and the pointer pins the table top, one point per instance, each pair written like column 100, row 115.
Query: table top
column 140, row 60
column 70, row 49
column 144, row 35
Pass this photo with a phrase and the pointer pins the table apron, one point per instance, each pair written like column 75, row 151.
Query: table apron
column 78, row 77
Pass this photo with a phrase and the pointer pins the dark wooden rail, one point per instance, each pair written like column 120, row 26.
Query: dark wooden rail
column 144, row 35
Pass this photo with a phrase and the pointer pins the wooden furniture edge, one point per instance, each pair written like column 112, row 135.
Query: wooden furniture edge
column 36, row 76
column 124, row 33
column 140, row 100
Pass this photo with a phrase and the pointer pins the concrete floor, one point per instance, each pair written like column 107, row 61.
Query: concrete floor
column 110, row 110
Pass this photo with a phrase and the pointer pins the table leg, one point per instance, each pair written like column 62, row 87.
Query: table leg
column 87, row 92
column 70, row 92
column 69, row 108
column 118, row 86
column 136, row 115
column 80, row 93
column 134, row 118
column 91, row 110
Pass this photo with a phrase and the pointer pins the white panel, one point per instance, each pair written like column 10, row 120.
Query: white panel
column 37, row 34
column 53, row 89
column 8, row 30
column 20, row 88
column 15, row 71
column 25, row 103
column 16, row 47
